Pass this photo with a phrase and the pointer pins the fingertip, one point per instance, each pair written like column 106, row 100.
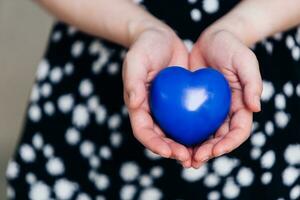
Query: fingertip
column 165, row 151
column 253, row 102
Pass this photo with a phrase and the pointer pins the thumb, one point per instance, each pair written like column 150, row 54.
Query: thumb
column 134, row 80
column 196, row 60
column 247, row 68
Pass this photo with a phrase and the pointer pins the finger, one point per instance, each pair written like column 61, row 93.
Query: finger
column 246, row 64
column 142, row 126
column 204, row 152
column 187, row 164
column 134, row 79
column 224, row 129
column 240, row 127
column 196, row 60
column 179, row 152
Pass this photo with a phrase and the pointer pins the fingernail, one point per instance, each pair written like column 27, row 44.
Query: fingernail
column 257, row 101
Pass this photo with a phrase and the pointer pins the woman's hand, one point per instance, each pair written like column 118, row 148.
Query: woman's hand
column 223, row 51
column 152, row 50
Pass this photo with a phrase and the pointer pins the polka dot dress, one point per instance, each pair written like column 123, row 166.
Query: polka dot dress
column 77, row 142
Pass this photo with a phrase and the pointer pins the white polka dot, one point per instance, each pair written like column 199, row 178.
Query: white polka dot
column 100, row 113
column 56, row 75
column 10, row 192
column 213, row 195
column 49, row 108
column 94, row 47
column 211, row 180
column 145, row 180
column 46, row 90
column 192, row 1
column 43, row 70
column 156, row 171
column 30, row 178
column 94, row 161
column 288, row 89
column 55, row 166
column 298, row 90
column 150, row 193
column 280, row 101
column 105, row 152
column 269, row 47
column 268, row 91
column 281, row 119
column 37, row 141
column 290, row 175
column 290, row 43
column 296, row 53
column 255, row 153
column 48, row 151
column 224, row 165
column 114, row 121
column 151, row 155
column 230, row 189
column 295, row 192
column 65, row 103
column 125, row 110
column 93, row 103
column 258, row 139
column 101, row 182
column 100, row 197
column 113, row 68
column 34, row 113
column 87, row 148
column 196, row 14
column 291, row 154
column 269, row 128
column 64, row 189
column 245, row 176
column 129, row 171
column 83, row 196
column 191, row 174
column 277, row 36
column 39, row 191
column 210, row 6
column 71, row 30
column 127, row 192
column 72, row 136
column 85, row 88
column 115, row 139
column 69, row 68
column 12, row 170
column 56, row 36
column 268, row 159
column 27, row 153
column 35, row 93
column 255, row 125
column 266, row 178
column 77, row 48
column 189, row 44
column 80, row 116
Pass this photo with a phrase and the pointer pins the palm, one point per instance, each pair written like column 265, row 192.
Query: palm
column 227, row 55
column 152, row 52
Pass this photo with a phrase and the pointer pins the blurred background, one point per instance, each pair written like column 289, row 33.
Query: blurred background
column 24, row 28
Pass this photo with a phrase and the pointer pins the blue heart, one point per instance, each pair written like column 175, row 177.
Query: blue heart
column 189, row 106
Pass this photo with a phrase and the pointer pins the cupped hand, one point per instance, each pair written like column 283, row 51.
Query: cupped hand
column 223, row 51
column 152, row 50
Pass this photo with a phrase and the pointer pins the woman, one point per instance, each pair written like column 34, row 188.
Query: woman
column 77, row 141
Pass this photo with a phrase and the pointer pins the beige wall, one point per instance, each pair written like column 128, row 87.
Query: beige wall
column 24, row 29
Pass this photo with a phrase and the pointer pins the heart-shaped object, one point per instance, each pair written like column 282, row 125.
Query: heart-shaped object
column 189, row 106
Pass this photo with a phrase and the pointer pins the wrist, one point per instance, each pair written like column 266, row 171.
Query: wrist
column 137, row 27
